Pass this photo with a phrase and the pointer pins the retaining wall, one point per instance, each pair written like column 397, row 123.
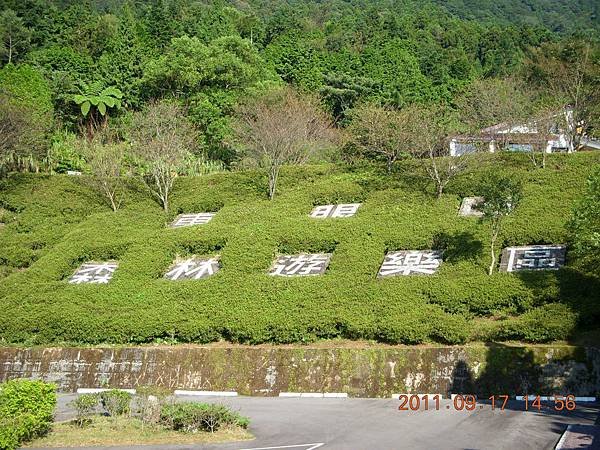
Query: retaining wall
column 360, row 372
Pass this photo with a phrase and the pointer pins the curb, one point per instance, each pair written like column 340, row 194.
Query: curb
column 550, row 398
column 563, row 438
column 98, row 390
column 207, row 393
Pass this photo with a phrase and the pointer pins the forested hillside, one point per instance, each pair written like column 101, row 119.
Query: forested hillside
column 211, row 55
column 557, row 15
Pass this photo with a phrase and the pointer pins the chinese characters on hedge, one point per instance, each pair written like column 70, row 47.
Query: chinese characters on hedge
column 411, row 262
column 193, row 269
column 94, row 272
column 533, row 257
column 335, row 211
column 300, row 265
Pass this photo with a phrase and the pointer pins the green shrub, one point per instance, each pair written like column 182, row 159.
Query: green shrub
column 85, row 406
column 66, row 153
column 26, row 411
column 543, row 324
column 194, row 417
column 116, row 402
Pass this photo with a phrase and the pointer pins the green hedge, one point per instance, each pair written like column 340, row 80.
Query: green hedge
column 56, row 222
column 26, row 411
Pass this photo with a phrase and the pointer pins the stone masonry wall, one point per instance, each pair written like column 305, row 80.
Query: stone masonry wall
column 361, row 372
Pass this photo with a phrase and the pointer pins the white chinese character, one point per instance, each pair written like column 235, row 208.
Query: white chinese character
column 322, row 212
column 535, row 257
column 102, row 279
column 410, row 262
column 186, row 220
column 100, row 273
column 345, row 210
column 300, row 265
column 78, row 279
column 193, row 268
column 335, row 211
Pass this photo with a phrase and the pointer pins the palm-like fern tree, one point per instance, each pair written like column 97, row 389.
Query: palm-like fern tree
column 95, row 101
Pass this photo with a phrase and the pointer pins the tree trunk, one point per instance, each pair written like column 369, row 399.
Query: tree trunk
column 390, row 163
column 166, row 202
column 113, row 204
column 495, row 230
column 9, row 49
column 493, row 263
column 439, row 190
column 273, row 175
column 544, row 160
column 111, row 196
column 164, row 196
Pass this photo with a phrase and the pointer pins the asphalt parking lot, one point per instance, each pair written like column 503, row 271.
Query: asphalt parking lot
column 361, row 424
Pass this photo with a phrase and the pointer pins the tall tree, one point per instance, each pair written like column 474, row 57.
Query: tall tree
column 431, row 127
column 22, row 135
column 341, row 92
column 95, row 102
column 489, row 103
column 282, row 128
column 162, row 138
column 501, row 195
column 382, row 132
column 14, row 35
column 570, row 72
column 548, row 121
column 105, row 160
column 25, row 116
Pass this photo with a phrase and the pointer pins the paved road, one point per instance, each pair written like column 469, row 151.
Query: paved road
column 580, row 437
column 373, row 424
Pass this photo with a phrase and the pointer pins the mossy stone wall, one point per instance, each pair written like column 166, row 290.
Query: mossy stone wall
column 361, row 372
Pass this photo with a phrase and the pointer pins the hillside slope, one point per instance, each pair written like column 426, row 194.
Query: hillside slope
column 557, row 15
column 54, row 223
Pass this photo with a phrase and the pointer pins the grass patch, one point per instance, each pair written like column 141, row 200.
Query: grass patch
column 105, row 431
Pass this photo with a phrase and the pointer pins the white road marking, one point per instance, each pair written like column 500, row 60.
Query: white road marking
column 308, row 446
column 314, row 394
column 335, row 395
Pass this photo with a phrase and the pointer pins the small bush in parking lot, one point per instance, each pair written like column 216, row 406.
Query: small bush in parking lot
column 85, row 406
column 116, row 402
column 195, row 417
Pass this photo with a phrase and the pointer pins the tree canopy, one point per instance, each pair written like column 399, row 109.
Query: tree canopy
column 211, row 57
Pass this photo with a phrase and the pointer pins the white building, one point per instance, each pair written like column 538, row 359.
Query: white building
column 519, row 138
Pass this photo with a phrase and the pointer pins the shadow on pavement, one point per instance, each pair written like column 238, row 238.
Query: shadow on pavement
column 513, row 371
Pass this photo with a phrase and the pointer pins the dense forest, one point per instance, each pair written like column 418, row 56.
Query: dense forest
column 80, row 66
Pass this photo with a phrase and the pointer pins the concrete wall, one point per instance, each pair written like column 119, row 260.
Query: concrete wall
column 361, row 372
